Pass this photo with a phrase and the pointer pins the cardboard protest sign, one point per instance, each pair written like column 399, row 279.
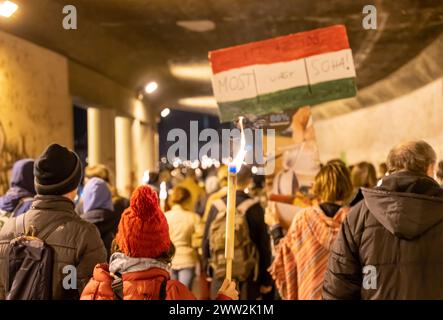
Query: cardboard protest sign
column 283, row 73
column 297, row 163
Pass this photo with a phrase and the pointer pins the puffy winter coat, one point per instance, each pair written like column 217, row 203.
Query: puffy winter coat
column 75, row 242
column 139, row 285
column 390, row 244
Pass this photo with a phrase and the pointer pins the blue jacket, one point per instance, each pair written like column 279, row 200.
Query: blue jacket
column 21, row 187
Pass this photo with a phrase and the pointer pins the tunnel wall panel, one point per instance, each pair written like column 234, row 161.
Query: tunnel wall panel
column 368, row 134
column 35, row 105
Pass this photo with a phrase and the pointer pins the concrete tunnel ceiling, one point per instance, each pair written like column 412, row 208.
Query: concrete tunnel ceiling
column 135, row 41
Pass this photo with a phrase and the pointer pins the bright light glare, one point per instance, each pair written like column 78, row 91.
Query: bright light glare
column 7, row 8
column 165, row 112
column 200, row 71
column 145, row 178
column 197, row 25
column 199, row 102
column 238, row 160
column 163, row 192
column 151, row 87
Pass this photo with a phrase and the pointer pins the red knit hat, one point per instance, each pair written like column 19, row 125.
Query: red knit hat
column 143, row 231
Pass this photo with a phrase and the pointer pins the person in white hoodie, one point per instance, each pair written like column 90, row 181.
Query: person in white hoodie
column 183, row 226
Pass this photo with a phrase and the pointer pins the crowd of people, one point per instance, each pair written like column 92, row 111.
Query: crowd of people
column 359, row 236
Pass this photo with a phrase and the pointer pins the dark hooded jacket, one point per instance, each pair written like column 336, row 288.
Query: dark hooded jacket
column 98, row 209
column 395, row 236
column 18, row 198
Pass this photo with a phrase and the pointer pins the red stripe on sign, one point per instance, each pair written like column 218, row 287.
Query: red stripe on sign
column 281, row 49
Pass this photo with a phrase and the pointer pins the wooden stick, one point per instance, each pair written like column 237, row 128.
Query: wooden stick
column 230, row 220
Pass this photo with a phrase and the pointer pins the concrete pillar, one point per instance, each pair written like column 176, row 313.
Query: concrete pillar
column 153, row 139
column 141, row 152
column 144, row 149
column 156, row 146
column 152, row 147
column 123, row 156
column 101, row 138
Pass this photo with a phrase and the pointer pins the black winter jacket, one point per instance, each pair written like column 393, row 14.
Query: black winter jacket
column 106, row 222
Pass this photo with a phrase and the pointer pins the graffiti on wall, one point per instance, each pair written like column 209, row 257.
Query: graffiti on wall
column 10, row 152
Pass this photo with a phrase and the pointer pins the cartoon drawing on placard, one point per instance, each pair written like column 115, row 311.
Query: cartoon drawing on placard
column 299, row 164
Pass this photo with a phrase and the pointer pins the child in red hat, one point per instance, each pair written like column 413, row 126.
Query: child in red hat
column 140, row 265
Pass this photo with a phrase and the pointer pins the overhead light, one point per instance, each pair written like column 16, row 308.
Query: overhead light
column 197, row 25
column 165, row 112
column 7, row 8
column 151, row 87
column 200, row 71
column 199, row 102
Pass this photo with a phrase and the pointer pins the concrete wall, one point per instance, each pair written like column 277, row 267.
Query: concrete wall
column 368, row 134
column 35, row 104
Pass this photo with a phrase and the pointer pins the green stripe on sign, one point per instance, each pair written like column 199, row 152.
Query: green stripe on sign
column 288, row 99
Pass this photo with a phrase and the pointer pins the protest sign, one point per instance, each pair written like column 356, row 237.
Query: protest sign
column 283, row 73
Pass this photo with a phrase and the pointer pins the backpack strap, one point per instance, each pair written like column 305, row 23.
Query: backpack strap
column 220, row 205
column 117, row 288
column 162, row 295
column 20, row 229
column 45, row 235
column 243, row 207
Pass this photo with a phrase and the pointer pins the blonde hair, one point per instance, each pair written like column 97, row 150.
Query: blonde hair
column 98, row 170
column 333, row 182
column 179, row 195
column 412, row 156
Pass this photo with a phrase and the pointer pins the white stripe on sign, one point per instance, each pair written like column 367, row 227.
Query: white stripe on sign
column 254, row 80
column 235, row 84
column 330, row 66
column 280, row 76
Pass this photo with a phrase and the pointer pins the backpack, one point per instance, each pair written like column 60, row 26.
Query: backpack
column 29, row 263
column 245, row 251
